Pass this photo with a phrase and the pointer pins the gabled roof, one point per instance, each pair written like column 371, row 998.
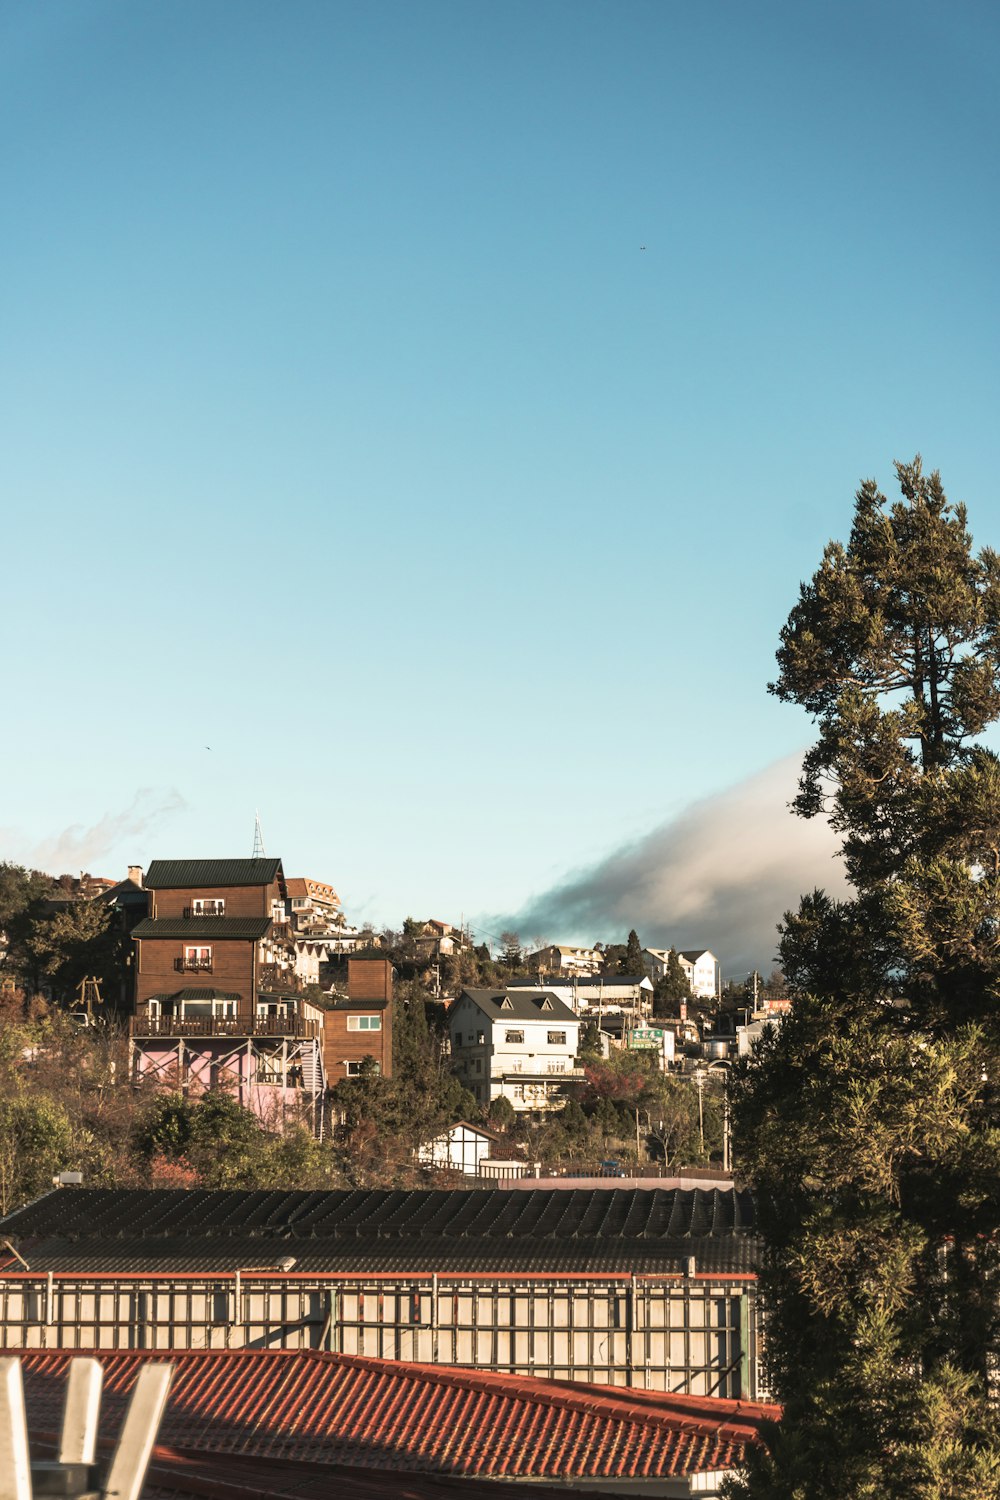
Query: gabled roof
column 182, row 874
column 693, row 954
column 200, row 929
column 514, row 1005
column 327, row 1408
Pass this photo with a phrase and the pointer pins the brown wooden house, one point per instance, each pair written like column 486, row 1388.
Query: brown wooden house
column 211, row 1011
column 360, row 1027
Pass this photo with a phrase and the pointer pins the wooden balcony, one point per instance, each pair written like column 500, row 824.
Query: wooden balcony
column 222, row 1026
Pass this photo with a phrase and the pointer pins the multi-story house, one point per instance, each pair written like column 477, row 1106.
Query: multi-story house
column 359, row 1029
column 215, row 1004
column 562, row 958
column 515, row 1045
column 701, row 969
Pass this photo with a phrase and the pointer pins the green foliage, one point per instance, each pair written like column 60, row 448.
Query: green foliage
column 36, row 1141
column 500, row 1114
column 869, row 1123
column 673, row 989
column 632, row 961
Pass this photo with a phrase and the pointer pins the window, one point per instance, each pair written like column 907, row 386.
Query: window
column 197, row 958
column 557, row 1038
column 354, row 1067
column 364, row 1023
column 206, row 906
column 516, row 1037
column 481, row 1037
column 479, row 1065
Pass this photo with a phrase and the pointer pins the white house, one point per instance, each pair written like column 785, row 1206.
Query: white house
column 701, row 969
column 515, row 1045
column 462, row 1147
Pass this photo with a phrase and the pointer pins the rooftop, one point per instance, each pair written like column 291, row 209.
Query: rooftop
column 506, row 1231
column 202, row 928
column 323, row 1408
column 180, row 874
column 518, row 1005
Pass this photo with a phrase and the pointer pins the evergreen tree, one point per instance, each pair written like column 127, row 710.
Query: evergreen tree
column 632, row 962
column 869, row 1122
column 672, row 989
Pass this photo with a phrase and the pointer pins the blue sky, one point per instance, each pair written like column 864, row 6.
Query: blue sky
column 349, row 429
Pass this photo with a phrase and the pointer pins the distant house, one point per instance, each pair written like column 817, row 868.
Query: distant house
column 514, row 1045
column 700, row 967
column 462, row 1148
column 439, row 939
column 595, row 993
column 562, row 958
column 312, row 905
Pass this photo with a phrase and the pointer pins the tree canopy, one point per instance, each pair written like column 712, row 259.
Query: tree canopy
column 869, row 1122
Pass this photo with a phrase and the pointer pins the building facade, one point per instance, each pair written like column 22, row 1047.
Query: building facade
column 514, row 1045
column 211, row 1010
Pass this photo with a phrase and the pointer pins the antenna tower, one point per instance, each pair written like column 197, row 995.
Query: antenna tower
column 258, row 838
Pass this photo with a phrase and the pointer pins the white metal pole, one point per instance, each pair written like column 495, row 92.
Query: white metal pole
column 15, row 1466
column 127, row 1473
column 81, row 1413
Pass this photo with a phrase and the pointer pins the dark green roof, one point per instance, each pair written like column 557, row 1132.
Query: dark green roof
column 516, row 1005
column 182, row 874
column 196, row 928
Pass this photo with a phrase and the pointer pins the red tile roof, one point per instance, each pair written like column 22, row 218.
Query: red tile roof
column 304, row 1405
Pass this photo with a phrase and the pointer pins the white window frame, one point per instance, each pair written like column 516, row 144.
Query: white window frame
column 216, row 905
column 353, row 1065
column 354, row 1023
column 197, row 956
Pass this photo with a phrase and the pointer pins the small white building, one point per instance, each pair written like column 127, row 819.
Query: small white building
column 462, row 1148
column 509, row 1044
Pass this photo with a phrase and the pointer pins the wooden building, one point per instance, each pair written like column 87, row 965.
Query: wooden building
column 214, row 1009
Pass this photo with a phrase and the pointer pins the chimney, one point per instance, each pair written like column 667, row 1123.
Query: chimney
column 135, row 875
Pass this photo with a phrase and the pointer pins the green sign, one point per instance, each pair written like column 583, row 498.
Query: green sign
column 647, row 1036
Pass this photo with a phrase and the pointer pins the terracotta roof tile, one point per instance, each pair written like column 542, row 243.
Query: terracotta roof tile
column 347, row 1409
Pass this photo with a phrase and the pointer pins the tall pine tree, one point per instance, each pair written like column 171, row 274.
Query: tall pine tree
column 870, row 1123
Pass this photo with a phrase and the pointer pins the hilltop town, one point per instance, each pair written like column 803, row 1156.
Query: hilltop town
column 223, row 988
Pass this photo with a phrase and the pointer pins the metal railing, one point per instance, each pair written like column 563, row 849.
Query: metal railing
column 209, row 1026
column 193, row 965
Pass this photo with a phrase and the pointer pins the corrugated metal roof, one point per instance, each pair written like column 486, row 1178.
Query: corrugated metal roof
column 304, row 1405
column 585, row 1229
column 198, row 928
column 180, row 874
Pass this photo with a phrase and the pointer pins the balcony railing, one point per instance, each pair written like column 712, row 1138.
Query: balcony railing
column 537, row 1075
column 206, row 909
column 193, row 965
column 208, row 1026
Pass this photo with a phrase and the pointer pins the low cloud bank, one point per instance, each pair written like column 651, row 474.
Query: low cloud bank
column 720, row 875
column 83, row 848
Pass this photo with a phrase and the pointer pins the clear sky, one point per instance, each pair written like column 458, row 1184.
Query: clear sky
column 432, row 407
